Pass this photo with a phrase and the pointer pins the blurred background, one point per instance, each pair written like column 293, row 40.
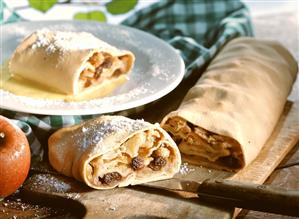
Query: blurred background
column 271, row 18
column 114, row 11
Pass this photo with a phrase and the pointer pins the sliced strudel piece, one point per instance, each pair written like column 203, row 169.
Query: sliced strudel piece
column 112, row 151
column 69, row 62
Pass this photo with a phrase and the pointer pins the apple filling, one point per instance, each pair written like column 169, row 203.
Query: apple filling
column 101, row 66
column 196, row 141
column 143, row 155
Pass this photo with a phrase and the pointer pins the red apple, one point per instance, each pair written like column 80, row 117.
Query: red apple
column 14, row 157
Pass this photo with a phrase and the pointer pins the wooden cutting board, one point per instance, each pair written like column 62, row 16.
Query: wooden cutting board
column 141, row 202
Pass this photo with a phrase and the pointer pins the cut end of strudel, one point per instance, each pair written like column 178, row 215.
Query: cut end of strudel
column 114, row 151
column 203, row 147
column 71, row 63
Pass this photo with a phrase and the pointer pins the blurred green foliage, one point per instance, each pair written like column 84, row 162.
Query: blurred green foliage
column 114, row 7
column 121, row 6
column 42, row 5
column 93, row 15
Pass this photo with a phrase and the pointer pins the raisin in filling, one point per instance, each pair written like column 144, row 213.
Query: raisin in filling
column 110, row 178
column 157, row 163
column 137, row 163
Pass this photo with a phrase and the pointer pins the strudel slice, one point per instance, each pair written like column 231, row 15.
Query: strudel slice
column 71, row 63
column 112, row 151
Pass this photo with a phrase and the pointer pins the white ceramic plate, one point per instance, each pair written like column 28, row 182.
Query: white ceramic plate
column 158, row 69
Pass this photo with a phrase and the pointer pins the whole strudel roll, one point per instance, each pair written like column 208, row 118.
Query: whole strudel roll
column 69, row 62
column 112, row 151
column 226, row 118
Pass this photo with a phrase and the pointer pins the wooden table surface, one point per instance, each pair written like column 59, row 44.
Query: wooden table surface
column 286, row 175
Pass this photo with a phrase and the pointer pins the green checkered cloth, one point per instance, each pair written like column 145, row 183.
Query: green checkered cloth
column 196, row 28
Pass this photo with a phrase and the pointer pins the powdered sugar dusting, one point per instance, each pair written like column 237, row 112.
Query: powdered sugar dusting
column 161, row 75
column 93, row 132
column 185, row 169
column 62, row 41
column 84, row 129
column 50, row 183
column 42, row 40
